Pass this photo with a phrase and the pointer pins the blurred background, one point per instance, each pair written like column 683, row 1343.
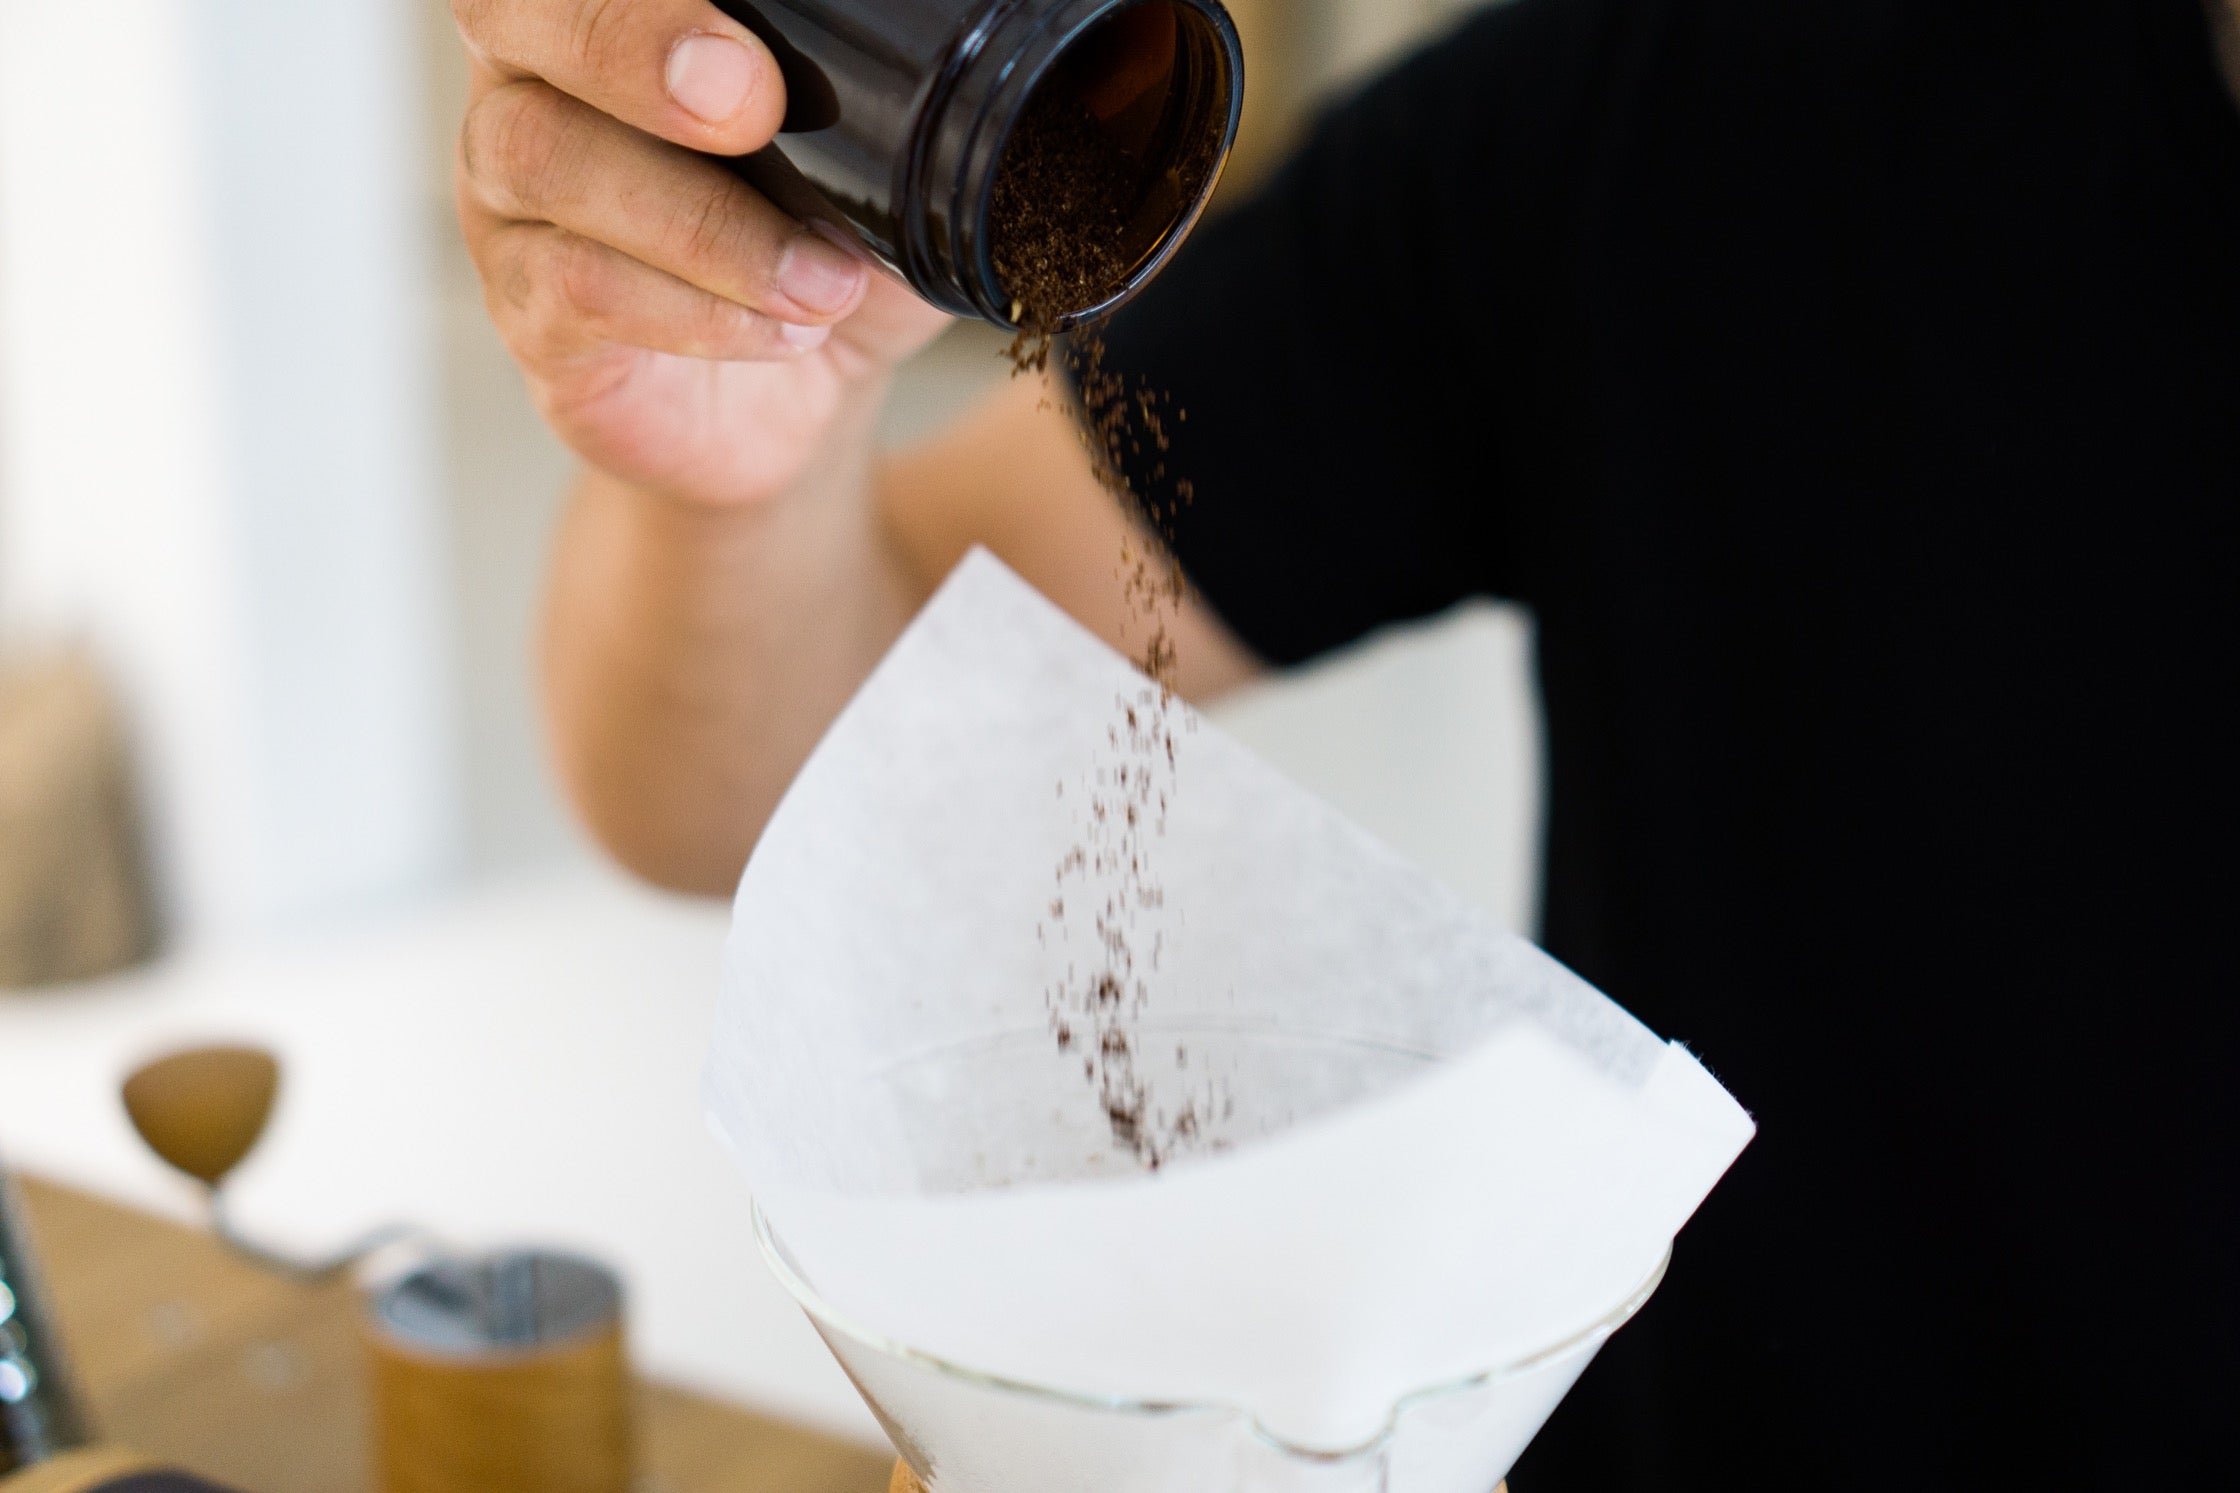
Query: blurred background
column 273, row 515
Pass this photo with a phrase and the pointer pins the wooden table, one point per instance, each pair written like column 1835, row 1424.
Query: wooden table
column 193, row 1356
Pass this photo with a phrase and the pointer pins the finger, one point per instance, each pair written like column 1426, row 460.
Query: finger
column 556, row 295
column 530, row 153
column 680, row 69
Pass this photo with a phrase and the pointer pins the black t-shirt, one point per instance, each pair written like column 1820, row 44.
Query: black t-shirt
column 1852, row 391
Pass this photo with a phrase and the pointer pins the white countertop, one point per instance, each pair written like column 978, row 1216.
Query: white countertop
column 520, row 1064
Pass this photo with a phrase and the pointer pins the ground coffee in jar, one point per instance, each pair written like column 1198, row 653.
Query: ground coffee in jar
column 906, row 119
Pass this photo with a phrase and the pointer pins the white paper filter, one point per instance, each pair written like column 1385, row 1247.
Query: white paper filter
column 1443, row 1150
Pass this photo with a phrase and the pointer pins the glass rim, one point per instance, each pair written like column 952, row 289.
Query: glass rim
column 826, row 1316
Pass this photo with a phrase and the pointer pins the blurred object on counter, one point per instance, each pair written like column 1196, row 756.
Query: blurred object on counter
column 504, row 1374
column 40, row 1416
column 203, row 1110
column 45, row 1435
column 198, row 1360
column 74, row 896
column 201, row 1360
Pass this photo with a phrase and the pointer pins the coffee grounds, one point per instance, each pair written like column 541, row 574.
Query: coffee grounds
column 1067, row 199
column 1096, row 172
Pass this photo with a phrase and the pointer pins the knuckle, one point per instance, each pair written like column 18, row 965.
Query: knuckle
column 512, row 277
column 517, row 147
column 518, row 287
column 708, row 230
column 470, row 166
column 575, row 399
column 582, row 276
column 541, row 342
column 598, row 36
column 722, row 326
column 471, row 17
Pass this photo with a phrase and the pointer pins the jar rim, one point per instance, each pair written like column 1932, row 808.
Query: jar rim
column 1056, row 32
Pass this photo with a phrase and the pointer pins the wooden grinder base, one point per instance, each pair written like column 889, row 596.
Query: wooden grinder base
column 555, row 1420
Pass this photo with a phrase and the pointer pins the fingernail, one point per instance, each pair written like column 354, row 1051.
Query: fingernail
column 818, row 276
column 803, row 339
column 711, row 76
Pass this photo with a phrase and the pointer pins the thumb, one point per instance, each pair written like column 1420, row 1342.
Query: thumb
column 680, row 69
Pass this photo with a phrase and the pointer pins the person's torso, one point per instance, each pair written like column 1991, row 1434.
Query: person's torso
column 1883, row 476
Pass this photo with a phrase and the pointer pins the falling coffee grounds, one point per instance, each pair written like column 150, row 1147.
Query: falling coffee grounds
column 1063, row 205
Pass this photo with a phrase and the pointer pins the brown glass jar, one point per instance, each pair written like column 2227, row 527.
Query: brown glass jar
column 903, row 117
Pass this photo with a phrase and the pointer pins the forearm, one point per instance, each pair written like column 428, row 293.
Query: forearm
column 694, row 653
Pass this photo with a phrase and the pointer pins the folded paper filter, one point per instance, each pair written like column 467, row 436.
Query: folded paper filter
column 1401, row 1146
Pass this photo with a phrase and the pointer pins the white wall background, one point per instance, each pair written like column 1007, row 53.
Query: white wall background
column 217, row 433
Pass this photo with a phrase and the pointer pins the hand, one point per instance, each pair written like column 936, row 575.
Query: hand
column 676, row 329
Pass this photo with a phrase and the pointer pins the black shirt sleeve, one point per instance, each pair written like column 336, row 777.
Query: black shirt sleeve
column 1344, row 350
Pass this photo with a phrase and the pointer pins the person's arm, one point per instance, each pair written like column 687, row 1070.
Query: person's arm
column 735, row 560
column 694, row 654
